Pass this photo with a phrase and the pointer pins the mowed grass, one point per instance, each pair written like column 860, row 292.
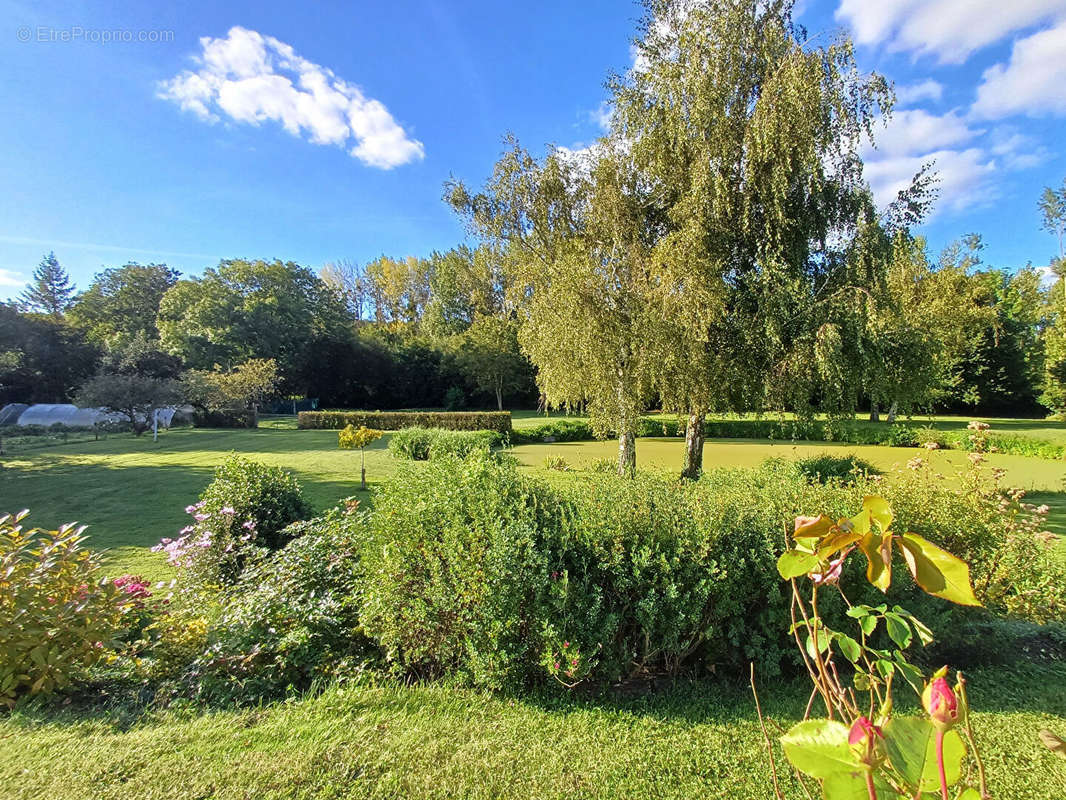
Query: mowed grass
column 132, row 491
column 695, row 740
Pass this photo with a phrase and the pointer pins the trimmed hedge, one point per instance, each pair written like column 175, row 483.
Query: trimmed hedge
column 897, row 435
column 499, row 421
column 226, row 419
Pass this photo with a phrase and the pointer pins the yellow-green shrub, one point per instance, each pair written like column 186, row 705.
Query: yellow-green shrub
column 58, row 615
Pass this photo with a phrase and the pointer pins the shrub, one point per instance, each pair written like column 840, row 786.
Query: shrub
column 293, row 619
column 478, row 571
column 557, row 463
column 902, row 436
column 560, row 430
column 461, row 443
column 422, row 444
column 499, row 421
column 58, row 615
column 411, row 443
column 246, row 508
column 826, row 467
column 452, row 566
column 243, row 418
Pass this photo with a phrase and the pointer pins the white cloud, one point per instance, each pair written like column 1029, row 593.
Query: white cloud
column 963, row 177
column 915, row 137
column 1033, row 82
column 949, row 30
column 1017, row 150
column 602, row 115
column 11, row 278
column 916, row 92
column 913, row 130
column 251, row 78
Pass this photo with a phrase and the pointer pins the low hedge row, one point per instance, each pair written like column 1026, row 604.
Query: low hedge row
column 423, row 444
column 499, row 421
column 898, row 435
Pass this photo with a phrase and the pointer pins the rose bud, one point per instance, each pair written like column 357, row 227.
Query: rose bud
column 940, row 702
column 867, row 743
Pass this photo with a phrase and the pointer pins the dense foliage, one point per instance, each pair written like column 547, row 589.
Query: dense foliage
column 245, row 510
column 422, row 444
column 397, row 420
column 293, row 618
column 58, row 613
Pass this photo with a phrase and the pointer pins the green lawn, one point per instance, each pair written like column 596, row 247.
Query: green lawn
column 694, row 741
column 132, row 491
column 432, row 741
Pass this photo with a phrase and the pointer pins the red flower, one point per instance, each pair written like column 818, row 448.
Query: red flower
column 867, row 742
column 940, row 702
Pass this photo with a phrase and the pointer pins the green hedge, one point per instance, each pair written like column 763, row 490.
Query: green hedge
column 499, row 421
column 897, row 435
column 422, row 444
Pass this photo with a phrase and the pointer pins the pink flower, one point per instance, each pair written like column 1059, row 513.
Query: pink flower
column 191, row 509
column 228, row 510
column 249, row 525
column 940, row 702
column 866, row 740
column 557, row 665
column 831, row 575
column 566, row 644
column 200, row 517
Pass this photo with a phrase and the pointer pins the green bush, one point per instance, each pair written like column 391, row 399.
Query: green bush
column 560, row 430
column 293, row 619
column 58, row 615
column 422, row 444
column 499, row 421
column 453, row 566
column 411, row 444
column 454, row 399
column 825, row 467
column 478, row 571
column 243, row 418
column 462, row 443
column 246, row 508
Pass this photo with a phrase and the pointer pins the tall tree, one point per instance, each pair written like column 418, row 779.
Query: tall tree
column 488, row 353
column 576, row 236
column 746, row 138
column 50, row 291
column 253, row 309
column 123, row 301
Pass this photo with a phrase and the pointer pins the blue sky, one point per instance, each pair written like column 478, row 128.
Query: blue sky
column 325, row 130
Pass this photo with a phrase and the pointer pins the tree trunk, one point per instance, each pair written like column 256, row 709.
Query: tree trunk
column 693, row 446
column 875, row 412
column 499, row 398
column 627, row 455
column 892, row 411
column 362, row 469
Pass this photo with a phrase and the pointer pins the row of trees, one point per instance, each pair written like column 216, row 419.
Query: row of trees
column 455, row 343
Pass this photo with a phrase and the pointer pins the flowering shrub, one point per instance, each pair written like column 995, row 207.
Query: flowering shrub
column 293, row 618
column 57, row 614
column 243, row 512
column 861, row 749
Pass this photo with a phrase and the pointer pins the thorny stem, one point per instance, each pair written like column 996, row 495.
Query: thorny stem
column 940, row 764
column 765, row 735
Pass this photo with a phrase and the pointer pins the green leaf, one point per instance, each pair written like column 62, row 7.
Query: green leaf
column 898, row 630
column 823, row 643
column 852, row 786
column 879, row 510
column 969, row 793
column 911, row 746
column 868, row 624
column 937, row 571
column 812, row 528
column 858, row 612
column 793, row 563
column 849, row 647
column 819, row 748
